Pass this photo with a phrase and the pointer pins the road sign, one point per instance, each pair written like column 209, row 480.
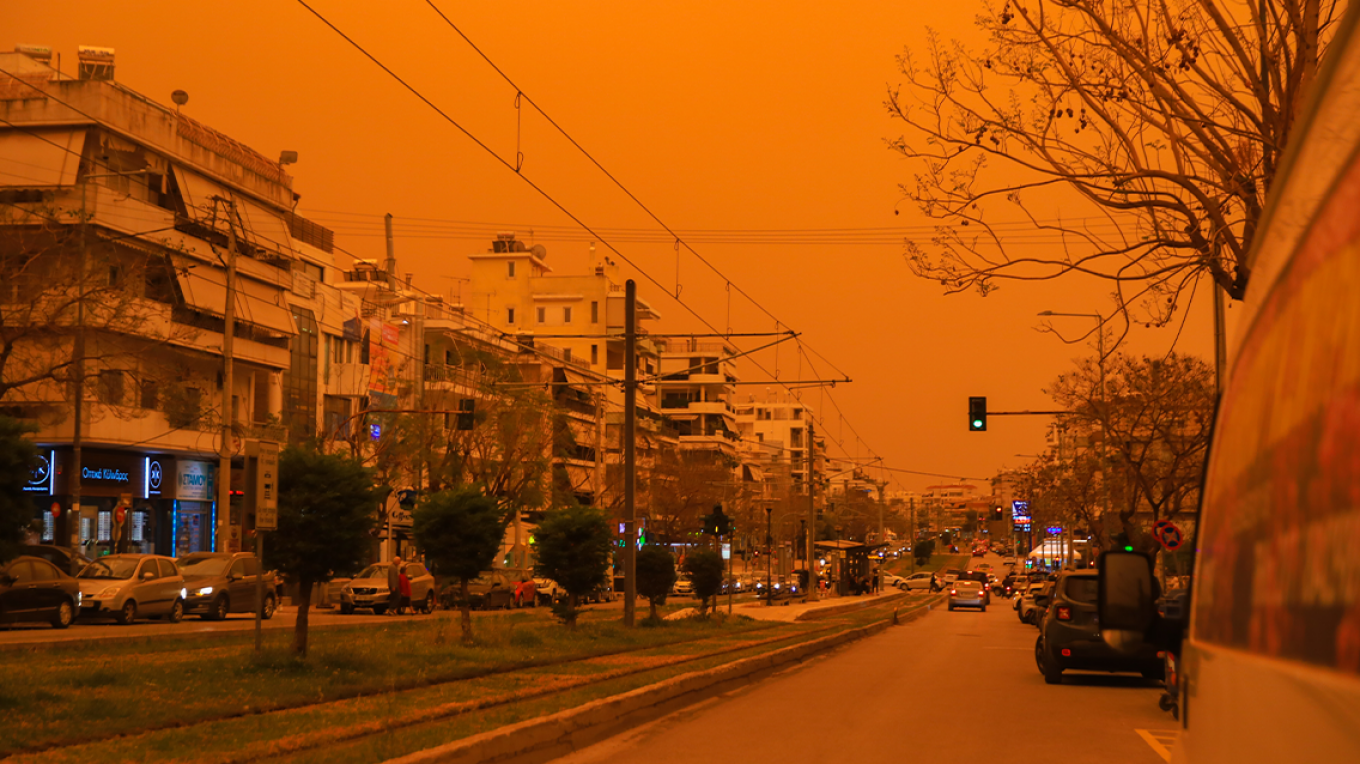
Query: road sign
column 267, row 487
column 56, row 509
column 1169, row 535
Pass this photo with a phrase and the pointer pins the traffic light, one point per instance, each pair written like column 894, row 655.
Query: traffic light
column 717, row 523
column 977, row 413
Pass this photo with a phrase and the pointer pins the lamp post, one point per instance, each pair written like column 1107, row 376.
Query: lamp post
column 769, row 552
column 1104, row 404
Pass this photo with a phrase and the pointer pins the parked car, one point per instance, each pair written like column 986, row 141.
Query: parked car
column 218, row 583
column 1069, row 636
column 1032, row 601
column 68, row 561
column 892, row 579
column 950, row 576
column 921, row 580
column 493, row 589
column 683, row 586
column 525, row 594
column 548, row 591
column 126, row 586
column 33, row 589
column 369, row 589
column 967, row 593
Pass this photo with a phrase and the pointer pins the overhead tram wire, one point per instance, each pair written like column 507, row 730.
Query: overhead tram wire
column 508, row 165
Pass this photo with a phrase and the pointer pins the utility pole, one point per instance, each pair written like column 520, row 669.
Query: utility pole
column 1220, row 339
column 78, row 373
column 812, row 516
column 911, row 504
column 228, row 336
column 629, row 458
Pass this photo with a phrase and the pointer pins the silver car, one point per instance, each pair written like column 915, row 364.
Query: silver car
column 967, row 593
column 369, row 589
column 128, row 586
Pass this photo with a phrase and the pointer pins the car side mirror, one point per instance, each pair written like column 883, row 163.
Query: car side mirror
column 1126, row 599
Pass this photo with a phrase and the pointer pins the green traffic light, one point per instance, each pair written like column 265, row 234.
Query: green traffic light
column 977, row 424
column 1128, row 549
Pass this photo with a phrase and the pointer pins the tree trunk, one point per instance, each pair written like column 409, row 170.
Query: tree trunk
column 466, row 607
column 652, row 602
column 573, row 600
column 304, row 608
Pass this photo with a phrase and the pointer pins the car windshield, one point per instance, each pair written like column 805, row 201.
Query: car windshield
column 121, row 568
column 373, row 571
column 1081, row 589
column 203, row 566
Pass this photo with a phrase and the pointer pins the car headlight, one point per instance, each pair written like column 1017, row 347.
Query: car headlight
column 111, row 591
column 183, row 594
column 203, row 592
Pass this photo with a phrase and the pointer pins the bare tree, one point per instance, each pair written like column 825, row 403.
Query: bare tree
column 1165, row 120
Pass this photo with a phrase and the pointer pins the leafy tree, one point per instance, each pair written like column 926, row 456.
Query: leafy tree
column 460, row 532
column 947, row 538
column 1164, row 122
column 922, row 550
column 655, row 575
column 327, row 505
column 574, row 548
column 17, row 457
column 705, row 571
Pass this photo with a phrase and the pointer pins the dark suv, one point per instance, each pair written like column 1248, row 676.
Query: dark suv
column 1069, row 635
column 218, row 583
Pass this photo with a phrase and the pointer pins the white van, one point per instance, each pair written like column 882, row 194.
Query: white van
column 1270, row 665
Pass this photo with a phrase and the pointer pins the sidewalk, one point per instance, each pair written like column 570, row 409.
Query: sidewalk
column 803, row 611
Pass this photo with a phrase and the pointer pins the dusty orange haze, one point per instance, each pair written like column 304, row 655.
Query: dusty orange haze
column 747, row 115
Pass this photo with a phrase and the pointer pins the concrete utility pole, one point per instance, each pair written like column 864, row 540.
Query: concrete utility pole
column 911, row 529
column 812, row 516
column 629, row 457
column 78, row 375
column 228, row 336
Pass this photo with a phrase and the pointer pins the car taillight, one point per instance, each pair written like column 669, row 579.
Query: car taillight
column 1064, row 613
column 953, row 591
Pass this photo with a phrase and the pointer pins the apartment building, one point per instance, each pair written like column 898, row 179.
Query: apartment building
column 130, row 209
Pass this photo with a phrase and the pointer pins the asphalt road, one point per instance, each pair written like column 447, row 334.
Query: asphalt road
column 950, row 687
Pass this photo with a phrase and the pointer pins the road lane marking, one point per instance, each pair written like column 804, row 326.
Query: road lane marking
column 1161, row 741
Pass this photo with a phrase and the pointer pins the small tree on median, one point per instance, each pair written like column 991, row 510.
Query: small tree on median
column 326, row 510
column 17, row 458
column 655, row 576
column 705, row 571
column 574, row 547
column 460, row 531
column 922, row 550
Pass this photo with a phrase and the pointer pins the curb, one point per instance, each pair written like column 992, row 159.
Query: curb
column 850, row 607
column 548, row 737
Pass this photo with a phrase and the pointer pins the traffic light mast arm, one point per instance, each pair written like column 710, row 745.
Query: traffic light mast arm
column 1028, row 413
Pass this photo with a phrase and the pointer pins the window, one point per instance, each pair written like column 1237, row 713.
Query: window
column 167, row 568
column 509, row 315
column 110, row 387
column 150, row 394
column 543, row 315
column 252, row 566
column 43, row 571
column 566, row 354
column 594, row 353
column 594, row 312
column 566, row 315
column 238, row 569
column 22, row 572
column 510, row 269
column 105, row 526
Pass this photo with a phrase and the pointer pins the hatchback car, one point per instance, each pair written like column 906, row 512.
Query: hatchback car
column 683, row 586
column 68, row 561
column 921, row 581
column 368, row 590
column 127, row 586
column 33, row 589
column 1069, row 637
column 967, row 593
column 218, row 583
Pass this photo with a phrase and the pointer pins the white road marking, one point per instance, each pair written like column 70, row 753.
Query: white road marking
column 1161, row 741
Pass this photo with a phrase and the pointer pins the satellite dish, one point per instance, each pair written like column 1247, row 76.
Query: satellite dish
column 539, row 251
column 179, row 97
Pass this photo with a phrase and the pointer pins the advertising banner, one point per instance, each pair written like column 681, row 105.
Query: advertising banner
column 194, row 480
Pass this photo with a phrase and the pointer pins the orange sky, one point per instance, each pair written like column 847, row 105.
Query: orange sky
column 750, row 115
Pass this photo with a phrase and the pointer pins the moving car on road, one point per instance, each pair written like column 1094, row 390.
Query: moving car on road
column 921, row 580
column 967, row 593
column 33, row 589
column 218, row 583
column 1069, row 637
column 127, row 586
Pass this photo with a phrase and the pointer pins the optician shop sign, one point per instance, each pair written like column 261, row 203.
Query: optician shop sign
column 102, row 473
column 194, row 480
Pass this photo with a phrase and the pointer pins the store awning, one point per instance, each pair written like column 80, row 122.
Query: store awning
column 205, row 289
column 41, row 158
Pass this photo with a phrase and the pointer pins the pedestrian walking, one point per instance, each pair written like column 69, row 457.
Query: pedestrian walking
column 394, row 586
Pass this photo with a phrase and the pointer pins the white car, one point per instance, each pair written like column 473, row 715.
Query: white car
column 891, row 579
column 683, row 586
column 919, row 581
column 548, row 591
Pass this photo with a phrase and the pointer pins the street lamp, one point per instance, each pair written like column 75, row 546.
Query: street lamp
column 769, row 552
column 1104, row 404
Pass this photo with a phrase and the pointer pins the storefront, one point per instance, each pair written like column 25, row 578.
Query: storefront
column 130, row 502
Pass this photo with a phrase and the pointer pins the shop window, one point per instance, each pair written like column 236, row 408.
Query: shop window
column 105, row 525
column 138, row 529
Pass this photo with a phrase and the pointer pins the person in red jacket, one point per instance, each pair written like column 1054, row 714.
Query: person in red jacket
column 404, row 585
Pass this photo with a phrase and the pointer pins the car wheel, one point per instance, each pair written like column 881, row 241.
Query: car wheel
column 128, row 614
column 219, row 608
column 270, row 605
column 984, row 608
column 429, row 603
column 951, row 607
column 1048, row 666
column 176, row 613
column 346, row 609
column 379, row 609
column 64, row 616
